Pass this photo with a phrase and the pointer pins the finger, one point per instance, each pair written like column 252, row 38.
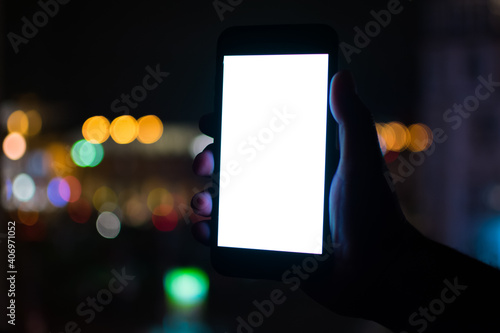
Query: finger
column 202, row 203
column 207, row 124
column 358, row 136
column 201, row 232
column 203, row 164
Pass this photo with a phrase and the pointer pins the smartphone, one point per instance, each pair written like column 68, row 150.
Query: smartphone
column 272, row 172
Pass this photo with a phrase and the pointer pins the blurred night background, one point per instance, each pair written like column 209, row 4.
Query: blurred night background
column 100, row 185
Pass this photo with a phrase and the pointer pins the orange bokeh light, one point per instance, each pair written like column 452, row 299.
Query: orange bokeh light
column 150, row 129
column 14, row 146
column 421, row 137
column 124, row 129
column 96, row 129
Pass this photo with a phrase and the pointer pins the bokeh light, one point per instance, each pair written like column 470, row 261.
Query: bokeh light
column 160, row 196
column 18, row 122
column 75, row 153
column 150, row 129
column 23, row 187
column 86, row 154
column 186, row 287
column 381, row 139
column 58, row 192
column 96, row 129
column 60, row 158
column 387, row 133
column 27, row 217
column 34, row 122
column 108, row 225
column 8, row 189
column 99, row 154
column 136, row 211
column 80, row 210
column 14, row 146
column 165, row 218
column 402, row 136
column 199, row 143
column 124, row 129
column 391, row 156
column 105, row 199
column 421, row 137
column 75, row 188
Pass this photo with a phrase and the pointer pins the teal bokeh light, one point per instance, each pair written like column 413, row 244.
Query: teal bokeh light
column 86, row 154
column 186, row 287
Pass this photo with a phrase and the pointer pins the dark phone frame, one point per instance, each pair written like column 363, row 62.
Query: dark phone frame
column 255, row 40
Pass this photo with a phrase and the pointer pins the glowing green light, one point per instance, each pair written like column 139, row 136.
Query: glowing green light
column 86, row 154
column 186, row 287
column 75, row 153
column 99, row 154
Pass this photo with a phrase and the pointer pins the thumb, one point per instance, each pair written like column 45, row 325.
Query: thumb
column 359, row 146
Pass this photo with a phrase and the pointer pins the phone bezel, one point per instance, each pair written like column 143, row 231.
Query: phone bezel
column 258, row 40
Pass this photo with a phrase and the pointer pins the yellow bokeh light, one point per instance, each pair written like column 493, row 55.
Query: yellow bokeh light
column 34, row 122
column 96, row 129
column 105, row 199
column 402, row 136
column 160, row 196
column 14, row 146
column 18, row 122
column 124, row 129
column 150, row 129
column 421, row 137
column 387, row 137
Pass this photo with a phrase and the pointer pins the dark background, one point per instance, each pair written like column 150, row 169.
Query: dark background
column 91, row 52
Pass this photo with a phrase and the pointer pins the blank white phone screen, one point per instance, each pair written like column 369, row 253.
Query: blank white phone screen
column 273, row 143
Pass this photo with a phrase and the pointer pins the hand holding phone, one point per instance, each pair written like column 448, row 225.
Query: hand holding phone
column 373, row 274
column 271, row 108
column 366, row 221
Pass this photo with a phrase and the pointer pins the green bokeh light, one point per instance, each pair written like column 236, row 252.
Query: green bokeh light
column 86, row 154
column 75, row 153
column 98, row 154
column 186, row 287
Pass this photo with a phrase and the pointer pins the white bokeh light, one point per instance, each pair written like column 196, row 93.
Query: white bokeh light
column 108, row 225
column 23, row 187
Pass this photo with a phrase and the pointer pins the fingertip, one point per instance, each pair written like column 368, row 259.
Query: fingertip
column 203, row 164
column 201, row 232
column 342, row 95
column 202, row 203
